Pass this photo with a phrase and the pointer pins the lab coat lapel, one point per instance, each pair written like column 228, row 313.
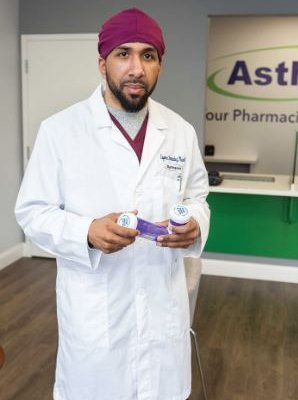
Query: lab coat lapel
column 118, row 138
column 155, row 136
column 102, row 118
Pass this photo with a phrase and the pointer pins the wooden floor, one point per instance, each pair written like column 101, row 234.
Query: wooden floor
column 248, row 333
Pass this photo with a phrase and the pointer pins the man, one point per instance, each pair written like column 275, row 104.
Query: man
column 122, row 301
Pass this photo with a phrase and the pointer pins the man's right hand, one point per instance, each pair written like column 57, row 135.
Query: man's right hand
column 106, row 235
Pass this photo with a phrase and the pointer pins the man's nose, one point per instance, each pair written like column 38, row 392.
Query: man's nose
column 137, row 67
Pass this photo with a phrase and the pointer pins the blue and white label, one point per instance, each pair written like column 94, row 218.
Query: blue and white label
column 179, row 214
column 124, row 220
column 181, row 210
column 128, row 220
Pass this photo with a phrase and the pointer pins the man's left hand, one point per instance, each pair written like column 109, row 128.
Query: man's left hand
column 182, row 237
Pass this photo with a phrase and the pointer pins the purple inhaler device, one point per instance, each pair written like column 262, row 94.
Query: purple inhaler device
column 179, row 215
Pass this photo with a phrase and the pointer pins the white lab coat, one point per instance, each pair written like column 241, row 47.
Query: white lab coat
column 123, row 318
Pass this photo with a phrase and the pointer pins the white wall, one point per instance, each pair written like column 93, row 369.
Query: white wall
column 10, row 129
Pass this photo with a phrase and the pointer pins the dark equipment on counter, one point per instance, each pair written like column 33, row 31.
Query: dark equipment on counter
column 209, row 150
column 214, row 178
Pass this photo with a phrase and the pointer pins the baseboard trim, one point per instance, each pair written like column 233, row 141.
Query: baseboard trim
column 11, row 255
column 248, row 270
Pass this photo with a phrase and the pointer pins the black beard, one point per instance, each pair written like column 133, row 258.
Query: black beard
column 134, row 103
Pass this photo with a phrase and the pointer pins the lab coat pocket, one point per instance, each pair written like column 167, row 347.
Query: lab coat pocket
column 172, row 170
column 172, row 184
column 82, row 309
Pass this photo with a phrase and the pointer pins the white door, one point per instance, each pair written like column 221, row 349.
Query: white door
column 57, row 71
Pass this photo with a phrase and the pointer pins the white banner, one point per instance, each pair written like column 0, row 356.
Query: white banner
column 252, row 91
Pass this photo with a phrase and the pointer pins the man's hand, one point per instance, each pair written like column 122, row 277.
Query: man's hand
column 106, row 235
column 182, row 237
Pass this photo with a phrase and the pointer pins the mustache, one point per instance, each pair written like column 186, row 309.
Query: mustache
column 134, row 82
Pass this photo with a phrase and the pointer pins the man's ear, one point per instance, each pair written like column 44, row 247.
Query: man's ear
column 102, row 66
column 160, row 68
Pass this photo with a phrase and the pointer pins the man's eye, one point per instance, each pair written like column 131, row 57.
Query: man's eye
column 123, row 54
column 149, row 56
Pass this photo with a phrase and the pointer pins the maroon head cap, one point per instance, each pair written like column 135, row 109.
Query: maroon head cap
column 130, row 26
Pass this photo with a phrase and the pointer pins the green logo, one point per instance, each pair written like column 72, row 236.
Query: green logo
column 284, row 75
